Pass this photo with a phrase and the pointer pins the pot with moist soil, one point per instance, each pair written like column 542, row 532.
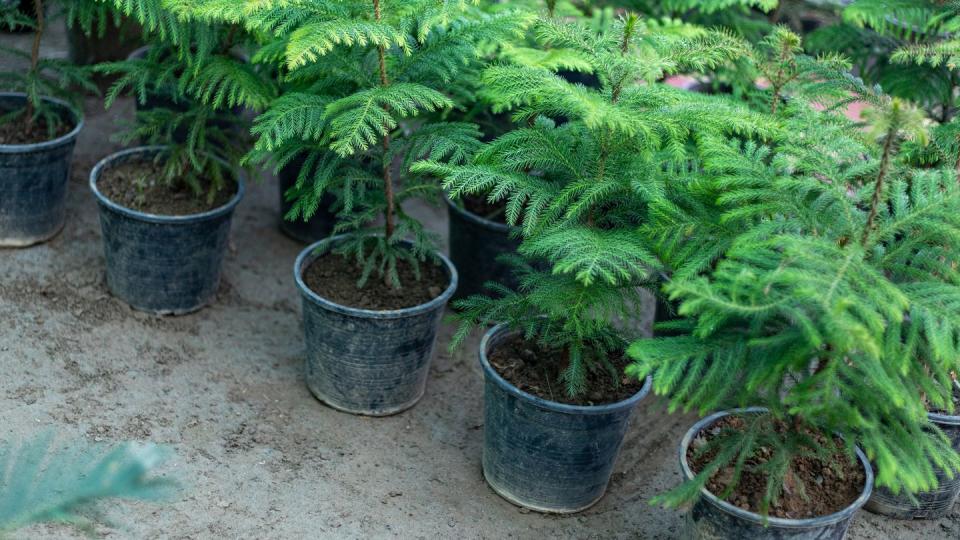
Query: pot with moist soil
column 930, row 504
column 320, row 225
column 164, row 246
column 711, row 517
column 369, row 349
column 549, row 454
column 478, row 236
column 34, row 169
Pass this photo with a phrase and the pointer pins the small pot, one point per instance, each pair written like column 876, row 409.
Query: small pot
column 317, row 227
column 33, row 180
column 543, row 455
column 712, row 518
column 475, row 244
column 930, row 504
column 167, row 265
column 363, row 361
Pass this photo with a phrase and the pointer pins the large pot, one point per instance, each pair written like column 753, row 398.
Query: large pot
column 475, row 245
column 168, row 265
column 543, row 455
column 365, row 361
column 930, row 504
column 33, row 180
column 712, row 518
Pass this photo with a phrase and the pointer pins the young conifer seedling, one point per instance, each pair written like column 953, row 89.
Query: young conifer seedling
column 358, row 74
column 192, row 85
column 833, row 306
column 40, row 119
column 580, row 190
column 578, row 180
column 364, row 83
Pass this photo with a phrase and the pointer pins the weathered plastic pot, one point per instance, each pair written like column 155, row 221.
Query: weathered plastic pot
column 167, row 265
column 33, row 180
column 712, row 518
column 475, row 244
column 931, row 504
column 547, row 456
column 317, row 227
column 363, row 361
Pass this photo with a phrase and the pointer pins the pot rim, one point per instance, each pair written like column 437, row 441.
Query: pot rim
column 489, row 371
column 753, row 517
column 475, row 218
column 44, row 145
column 311, row 252
column 105, row 164
column 946, row 419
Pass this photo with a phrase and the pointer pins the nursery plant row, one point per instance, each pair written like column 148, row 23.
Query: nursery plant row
column 794, row 208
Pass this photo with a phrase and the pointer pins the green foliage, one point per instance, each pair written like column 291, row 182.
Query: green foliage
column 903, row 45
column 42, row 483
column 829, row 252
column 364, row 87
column 580, row 178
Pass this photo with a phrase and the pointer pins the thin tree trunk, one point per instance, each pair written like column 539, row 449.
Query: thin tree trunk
column 35, row 59
column 878, row 190
column 387, row 176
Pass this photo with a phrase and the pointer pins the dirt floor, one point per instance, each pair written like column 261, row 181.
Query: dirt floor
column 259, row 457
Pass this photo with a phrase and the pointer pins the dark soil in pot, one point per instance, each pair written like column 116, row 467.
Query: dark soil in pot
column 136, row 185
column 818, row 488
column 334, row 277
column 12, row 133
column 536, row 370
column 712, row 518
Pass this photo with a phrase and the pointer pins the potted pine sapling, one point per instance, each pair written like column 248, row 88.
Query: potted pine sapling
column 373, row 295
column 40, row 118
column 166, row 208
column 822, row 331
column 556, row 402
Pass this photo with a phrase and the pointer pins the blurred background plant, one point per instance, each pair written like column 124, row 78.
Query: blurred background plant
column 43, row 482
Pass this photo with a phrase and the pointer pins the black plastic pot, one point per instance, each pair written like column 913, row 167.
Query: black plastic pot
column 931, row 504
column 317, row 227
column 33, row 180
column 475, row 244
column 363, row 361
column 712, row 518
column 168, row 265
column 116, row 43
column 547, row 456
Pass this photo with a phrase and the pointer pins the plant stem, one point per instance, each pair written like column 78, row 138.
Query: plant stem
column 35, row 58
column 881, row 176
column 387, row 176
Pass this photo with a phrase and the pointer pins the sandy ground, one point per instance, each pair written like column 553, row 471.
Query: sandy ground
column 258, row 456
